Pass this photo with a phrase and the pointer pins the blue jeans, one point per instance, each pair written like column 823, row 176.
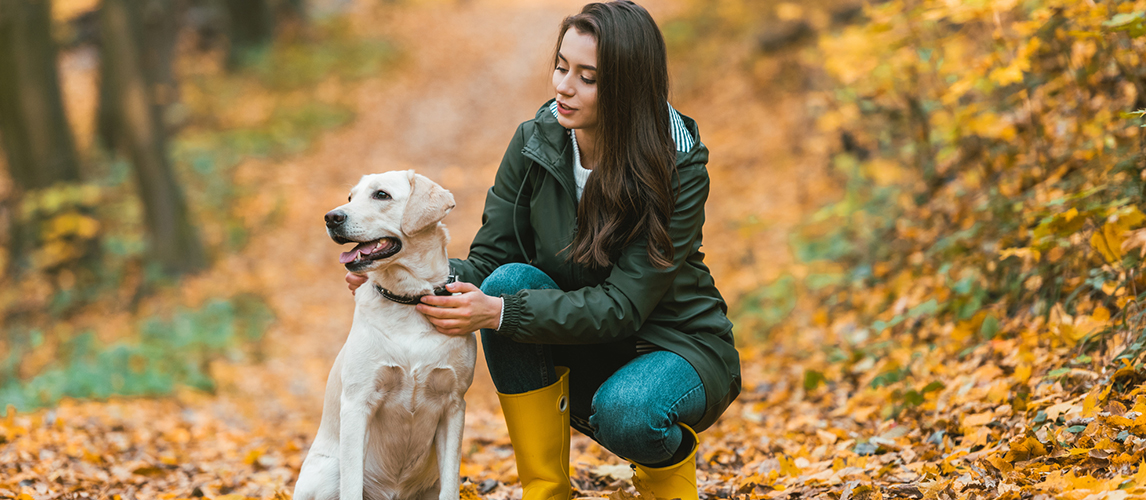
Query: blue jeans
column 628, row 402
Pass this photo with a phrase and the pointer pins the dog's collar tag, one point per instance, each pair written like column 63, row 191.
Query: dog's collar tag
column 411, row 300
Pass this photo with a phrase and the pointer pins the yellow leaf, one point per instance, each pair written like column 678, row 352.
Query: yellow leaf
column 1101, row 314
column 1000, row 464
column 1008, row 75
column 1089, row 404
column 253, row 456
column 469, row 491
column 1140, row 476
column 1070, row 335
column 1139, row 405
column 788, row 466
column 1023, row 373
column 838, row 464
column 1025, row 448
column 1108, row 242
column 977, row 419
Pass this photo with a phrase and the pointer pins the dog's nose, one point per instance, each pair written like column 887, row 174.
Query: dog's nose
column 334, row 218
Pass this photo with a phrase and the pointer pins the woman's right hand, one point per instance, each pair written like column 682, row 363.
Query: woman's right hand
column 355, row 281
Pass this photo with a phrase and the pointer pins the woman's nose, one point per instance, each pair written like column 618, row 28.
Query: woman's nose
column 563, row 86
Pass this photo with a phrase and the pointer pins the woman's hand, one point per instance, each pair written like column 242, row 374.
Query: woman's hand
column 355, row 281
column 461, row 314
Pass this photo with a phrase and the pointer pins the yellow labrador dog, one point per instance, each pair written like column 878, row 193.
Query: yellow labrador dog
column 393, row 413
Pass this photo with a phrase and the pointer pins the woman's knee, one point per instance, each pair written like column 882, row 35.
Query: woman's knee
column 631, row 427
column 511, row 278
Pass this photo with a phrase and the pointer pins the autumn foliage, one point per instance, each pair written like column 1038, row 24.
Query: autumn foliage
column 957, row 314
column 972, row 316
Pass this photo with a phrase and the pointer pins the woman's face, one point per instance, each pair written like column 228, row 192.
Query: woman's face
column 575, row 79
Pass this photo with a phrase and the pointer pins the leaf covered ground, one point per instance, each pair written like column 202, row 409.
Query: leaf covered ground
column 923, row 215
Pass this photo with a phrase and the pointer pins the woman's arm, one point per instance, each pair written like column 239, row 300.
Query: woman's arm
column 618, row 307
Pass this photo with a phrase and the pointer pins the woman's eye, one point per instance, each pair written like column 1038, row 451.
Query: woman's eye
column 381, row 195
column 588, row 81
column 562, row 70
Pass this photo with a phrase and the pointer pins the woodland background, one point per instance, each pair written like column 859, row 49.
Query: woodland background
column 926, row 216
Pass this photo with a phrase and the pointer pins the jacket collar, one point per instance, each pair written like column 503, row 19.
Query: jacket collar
column 550, row 145
column 551, row 148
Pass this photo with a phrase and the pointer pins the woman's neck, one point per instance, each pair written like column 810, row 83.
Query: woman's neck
column 587, row 148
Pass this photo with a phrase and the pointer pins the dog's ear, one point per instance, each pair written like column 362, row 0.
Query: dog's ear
column 428, row 204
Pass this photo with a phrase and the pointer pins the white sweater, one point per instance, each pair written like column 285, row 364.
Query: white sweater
column 580, row 174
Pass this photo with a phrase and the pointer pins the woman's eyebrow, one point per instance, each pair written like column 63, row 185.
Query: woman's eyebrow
column 582, row 66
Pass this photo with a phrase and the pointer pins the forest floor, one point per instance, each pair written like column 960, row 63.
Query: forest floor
column 469, row 73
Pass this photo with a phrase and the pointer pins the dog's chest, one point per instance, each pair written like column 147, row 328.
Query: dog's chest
column 415, row 389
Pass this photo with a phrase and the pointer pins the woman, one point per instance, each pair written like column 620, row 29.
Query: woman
column 594, row 299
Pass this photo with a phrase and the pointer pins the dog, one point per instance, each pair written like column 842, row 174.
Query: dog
column 393, row 412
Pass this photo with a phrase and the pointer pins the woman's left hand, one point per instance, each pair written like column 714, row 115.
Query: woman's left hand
column 461, row 314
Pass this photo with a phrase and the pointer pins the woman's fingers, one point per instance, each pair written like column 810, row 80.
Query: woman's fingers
column 465, row 312
column 461, row 287
column 445, row 301
column 449, row 326
column 354, row 281
column 442, row 312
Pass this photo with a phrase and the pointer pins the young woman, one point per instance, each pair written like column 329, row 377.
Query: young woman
column 595, row 306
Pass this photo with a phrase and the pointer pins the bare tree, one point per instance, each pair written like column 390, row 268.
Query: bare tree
column 136, row 82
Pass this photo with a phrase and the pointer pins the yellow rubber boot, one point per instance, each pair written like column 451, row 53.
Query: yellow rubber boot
column 673, row 481
column 538, row 424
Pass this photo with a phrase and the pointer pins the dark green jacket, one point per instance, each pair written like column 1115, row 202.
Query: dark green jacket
column 530, row 216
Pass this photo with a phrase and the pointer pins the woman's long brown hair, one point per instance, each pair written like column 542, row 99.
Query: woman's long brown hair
column 629, row 195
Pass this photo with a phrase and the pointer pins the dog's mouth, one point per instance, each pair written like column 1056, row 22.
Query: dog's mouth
column 371, row 250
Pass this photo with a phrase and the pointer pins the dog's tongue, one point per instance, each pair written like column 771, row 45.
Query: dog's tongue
column 348, row 257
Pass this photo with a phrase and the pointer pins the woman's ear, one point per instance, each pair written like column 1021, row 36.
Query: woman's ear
column 428, row 204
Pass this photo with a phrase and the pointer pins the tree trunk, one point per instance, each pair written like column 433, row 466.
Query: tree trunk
column 134, row 66
column 35, row 133
column 251, row 26
column 37, row 138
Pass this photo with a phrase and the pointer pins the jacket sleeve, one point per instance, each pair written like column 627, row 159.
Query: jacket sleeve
column 496, row 243
column 618, row 307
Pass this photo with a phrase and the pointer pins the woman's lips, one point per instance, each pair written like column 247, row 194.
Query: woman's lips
column 565, row 110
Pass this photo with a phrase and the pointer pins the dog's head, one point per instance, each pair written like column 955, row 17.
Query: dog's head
column 383, row 213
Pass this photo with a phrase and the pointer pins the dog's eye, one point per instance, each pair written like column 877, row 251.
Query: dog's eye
column 349, row 197
column 381, row 195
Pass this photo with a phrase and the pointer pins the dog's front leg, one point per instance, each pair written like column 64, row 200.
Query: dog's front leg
column 448, row 441
column 355, row 412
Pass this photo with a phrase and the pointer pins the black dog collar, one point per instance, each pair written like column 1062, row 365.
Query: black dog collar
column 415, row 299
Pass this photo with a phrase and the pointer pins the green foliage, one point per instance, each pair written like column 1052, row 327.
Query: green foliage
column 771, row 305
column 165, row 354
column 813, row 379
column 299, row 64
